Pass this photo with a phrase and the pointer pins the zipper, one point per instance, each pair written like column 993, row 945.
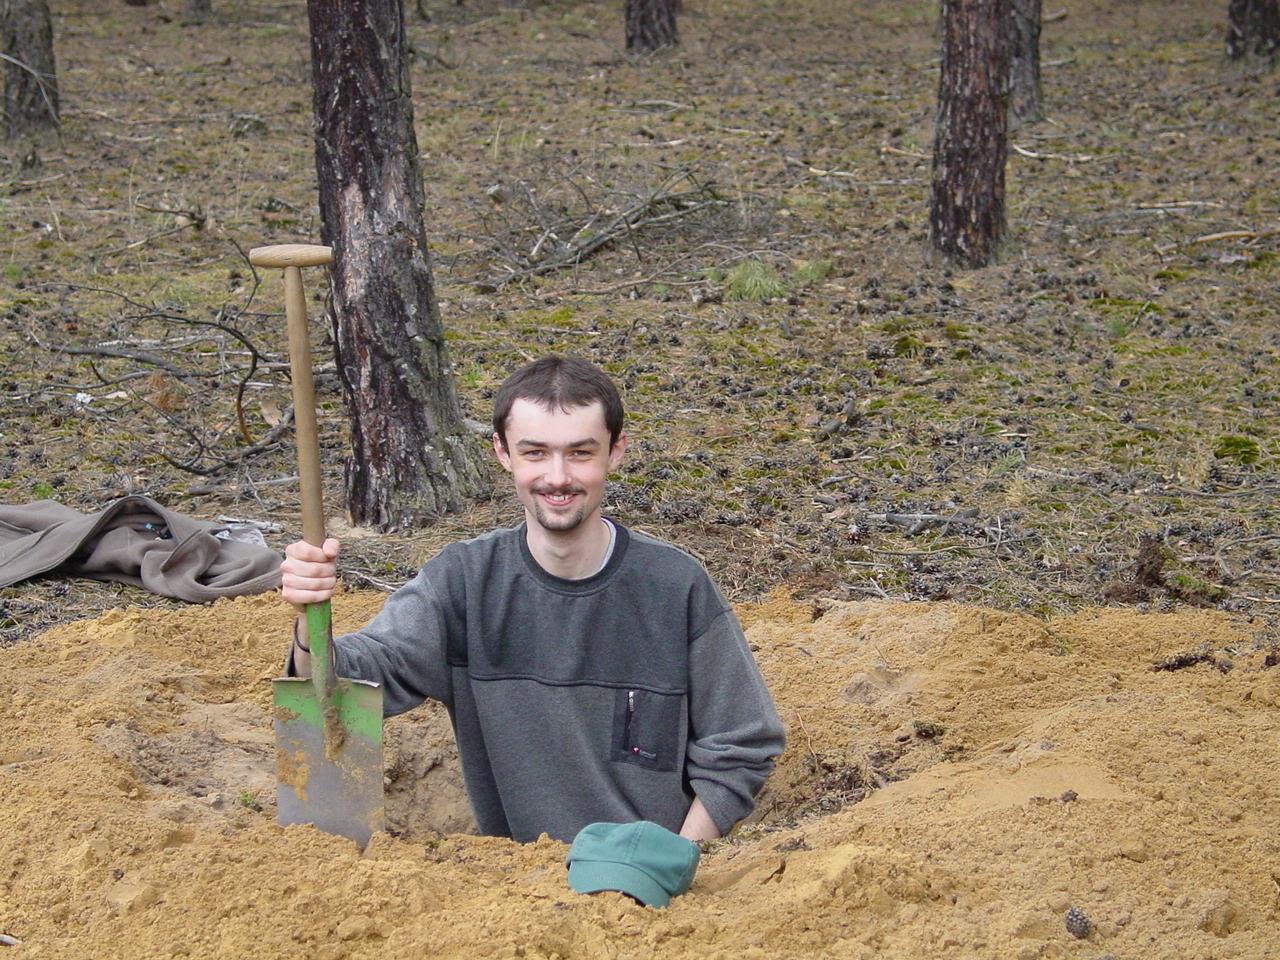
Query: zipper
column 626, row 729
column 626, row 726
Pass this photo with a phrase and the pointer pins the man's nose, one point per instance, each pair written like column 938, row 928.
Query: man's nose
column 556, row 470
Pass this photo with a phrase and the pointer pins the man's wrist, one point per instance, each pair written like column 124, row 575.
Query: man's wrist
column 297, row 637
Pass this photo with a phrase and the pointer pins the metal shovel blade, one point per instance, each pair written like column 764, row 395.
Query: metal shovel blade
column 328, row 746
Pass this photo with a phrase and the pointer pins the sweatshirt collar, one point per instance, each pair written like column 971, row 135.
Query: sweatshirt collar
column 586, row 584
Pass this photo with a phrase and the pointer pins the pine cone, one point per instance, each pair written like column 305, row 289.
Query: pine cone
column 1078, row 923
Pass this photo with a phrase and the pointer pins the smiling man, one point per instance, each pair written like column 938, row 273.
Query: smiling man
column 592, row 673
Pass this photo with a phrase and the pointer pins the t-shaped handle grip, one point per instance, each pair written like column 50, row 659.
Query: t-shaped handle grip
column 291, row 255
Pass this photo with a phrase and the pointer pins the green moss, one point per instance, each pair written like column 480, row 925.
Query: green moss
column 812, row 271
column 894, row 325
column 1242, row 450
column 560, row 317
column 754, row 282
column 1188, row 584
column 908, row 346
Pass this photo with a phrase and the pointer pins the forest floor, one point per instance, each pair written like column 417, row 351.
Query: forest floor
column 816, row 409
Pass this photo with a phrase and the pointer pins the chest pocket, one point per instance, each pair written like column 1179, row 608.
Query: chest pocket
column 646, row 729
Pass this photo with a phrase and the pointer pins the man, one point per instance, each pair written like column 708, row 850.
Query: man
column 591, row 673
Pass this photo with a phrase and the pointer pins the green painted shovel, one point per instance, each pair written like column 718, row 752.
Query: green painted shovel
column 328, row 729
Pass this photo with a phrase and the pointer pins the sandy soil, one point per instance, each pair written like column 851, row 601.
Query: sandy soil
column 1023, row 768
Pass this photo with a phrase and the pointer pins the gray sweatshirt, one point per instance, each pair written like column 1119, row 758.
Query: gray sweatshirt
column 615, row 698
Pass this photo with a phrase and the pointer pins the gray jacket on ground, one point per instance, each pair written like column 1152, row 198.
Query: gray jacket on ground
column 615, row 698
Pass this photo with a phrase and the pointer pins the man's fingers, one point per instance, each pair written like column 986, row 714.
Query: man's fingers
column 309, row 574
column 309, row 553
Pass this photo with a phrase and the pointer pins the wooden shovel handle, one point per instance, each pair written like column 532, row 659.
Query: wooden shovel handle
column 292, row 257
column 304, row 407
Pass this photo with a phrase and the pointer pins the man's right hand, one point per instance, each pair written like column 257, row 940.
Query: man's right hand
column 309, row 573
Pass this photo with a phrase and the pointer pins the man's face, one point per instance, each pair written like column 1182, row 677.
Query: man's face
column 559, row 461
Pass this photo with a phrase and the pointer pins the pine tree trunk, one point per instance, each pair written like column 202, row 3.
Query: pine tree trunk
column 30, row 83
column 412, row 457
column 966, row 215
column 1253, row 28
column 1025, row 99
column 651, row 24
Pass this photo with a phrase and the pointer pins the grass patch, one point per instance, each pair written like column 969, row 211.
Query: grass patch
column 754, row 282
column 1242, row 450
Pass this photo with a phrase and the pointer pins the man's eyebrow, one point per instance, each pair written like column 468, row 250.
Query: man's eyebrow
column 591, row 442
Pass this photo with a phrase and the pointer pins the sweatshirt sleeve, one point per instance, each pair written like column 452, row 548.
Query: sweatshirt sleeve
column 405, row 647
column 735, row 733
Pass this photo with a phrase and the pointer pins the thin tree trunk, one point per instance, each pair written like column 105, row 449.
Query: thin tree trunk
column 411, row 455
column 30, row 75
column 651, row 24
column 966, row 215
column 1253, row 28
column 1025, row 99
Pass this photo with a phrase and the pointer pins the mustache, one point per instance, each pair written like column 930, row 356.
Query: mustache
column 552, row 491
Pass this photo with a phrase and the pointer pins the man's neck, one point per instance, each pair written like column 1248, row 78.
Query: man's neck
column 573, row 554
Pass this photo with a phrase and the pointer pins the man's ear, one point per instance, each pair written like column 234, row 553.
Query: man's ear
column 501, row 452
column 616, row 451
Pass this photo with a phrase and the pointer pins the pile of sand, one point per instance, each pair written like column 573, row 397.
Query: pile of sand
column 1040, row 767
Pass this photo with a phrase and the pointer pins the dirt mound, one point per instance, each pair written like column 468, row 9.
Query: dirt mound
column 1007, row 770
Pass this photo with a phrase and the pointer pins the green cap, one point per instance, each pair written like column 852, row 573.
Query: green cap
column 642, row 860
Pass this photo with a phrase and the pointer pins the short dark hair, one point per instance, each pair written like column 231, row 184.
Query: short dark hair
column 563, row 383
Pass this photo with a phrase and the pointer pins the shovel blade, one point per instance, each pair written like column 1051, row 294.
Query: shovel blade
column 329, row 756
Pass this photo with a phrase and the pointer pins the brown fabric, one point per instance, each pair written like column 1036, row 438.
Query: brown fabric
column 134, row 540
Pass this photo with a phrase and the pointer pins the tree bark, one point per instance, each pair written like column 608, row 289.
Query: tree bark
column 1253, row 28
column 651, row 24
column 1025, row 98
column 966, row 214
column 411, row 456
column 30, row 75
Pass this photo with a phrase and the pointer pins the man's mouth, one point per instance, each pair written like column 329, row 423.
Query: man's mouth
column 558, row 499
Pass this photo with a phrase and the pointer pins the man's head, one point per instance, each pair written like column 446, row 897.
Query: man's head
column 557, row 427
column 559, row 383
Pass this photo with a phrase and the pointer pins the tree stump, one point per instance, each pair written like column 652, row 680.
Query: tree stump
column 31, row 106
column 1025, row 98
column 1253, row 29
column 651, row 24
column 966, row 214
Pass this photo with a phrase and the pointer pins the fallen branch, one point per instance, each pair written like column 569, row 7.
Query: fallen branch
column 145, row 240
column 1235, row 235
column 1069, row 158
column 234, row 489
column 915, row 523
column 914, row 154
column 236, row 456
column 119, row 353
column 600, row 228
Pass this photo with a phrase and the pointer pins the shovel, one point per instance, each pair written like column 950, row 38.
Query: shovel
column 328, row 730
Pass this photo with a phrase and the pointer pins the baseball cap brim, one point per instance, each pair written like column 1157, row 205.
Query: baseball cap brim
column 591, row 876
